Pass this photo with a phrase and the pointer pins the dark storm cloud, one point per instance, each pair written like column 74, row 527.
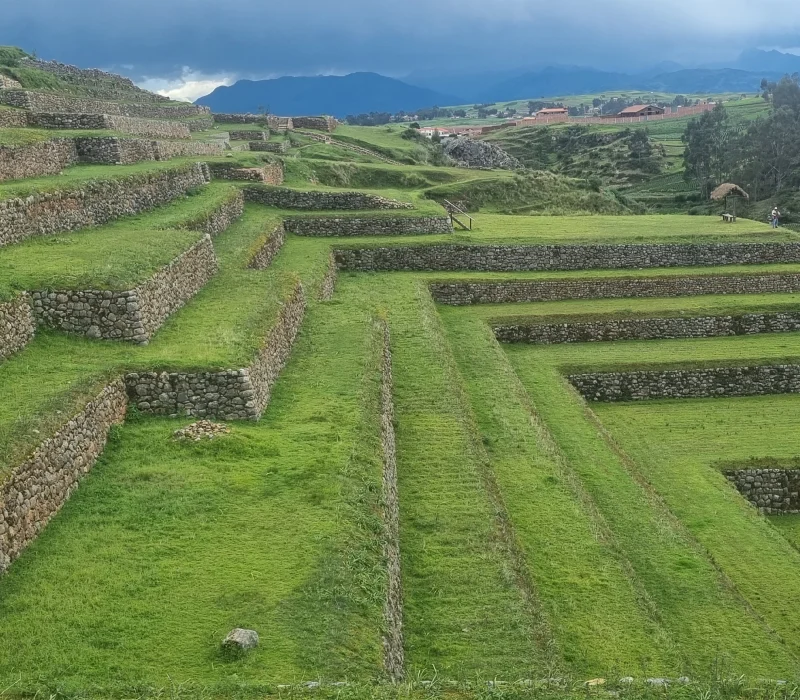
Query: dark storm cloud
column 266, row 37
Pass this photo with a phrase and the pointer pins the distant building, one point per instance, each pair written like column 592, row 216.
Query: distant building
column 641, row 111
column 429, row 131
column 550, row 112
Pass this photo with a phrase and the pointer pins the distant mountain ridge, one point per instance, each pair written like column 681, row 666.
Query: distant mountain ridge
column 337, row 96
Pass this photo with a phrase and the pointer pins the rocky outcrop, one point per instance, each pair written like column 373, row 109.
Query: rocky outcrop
column 470, row 153
column 235, row 394
column 94, row 202
column 17, row 325
column 133, row 315
column 35, row 490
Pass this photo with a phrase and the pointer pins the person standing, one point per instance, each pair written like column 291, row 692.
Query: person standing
column 775, row 217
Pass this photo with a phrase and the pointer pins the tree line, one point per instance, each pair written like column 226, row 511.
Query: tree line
column 763, row 157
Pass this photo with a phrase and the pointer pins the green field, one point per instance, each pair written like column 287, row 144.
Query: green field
column 545, row 541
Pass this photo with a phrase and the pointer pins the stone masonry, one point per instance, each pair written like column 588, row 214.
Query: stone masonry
column 328, row 124
column 37, row 159
column 266, row 253
column 236, row 394
column 13, row 118
column 482, row 258
column 269, row 146
column 220, row 218
column 459, row 293
column 372, row 226
column 773, row 490
column 284, row 198
column 269, row 173
column 54, row 102
column 95, row 202
column 610, row 329
column 149, row 128
column 36, row 489
column 109, row 150
column 248, row 135
column 134, row 315
column 713, row 382
column 17, row 325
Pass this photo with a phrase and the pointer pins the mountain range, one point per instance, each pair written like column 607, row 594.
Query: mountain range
column 370, row 92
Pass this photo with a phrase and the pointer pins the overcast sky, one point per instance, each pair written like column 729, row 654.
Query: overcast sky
column 190, row 46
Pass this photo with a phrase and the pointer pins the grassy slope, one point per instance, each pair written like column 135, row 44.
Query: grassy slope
column 168, row 546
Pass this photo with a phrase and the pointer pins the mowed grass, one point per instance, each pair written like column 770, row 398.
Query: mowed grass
column 678, row 445
column 167, row 546
column 699, row 506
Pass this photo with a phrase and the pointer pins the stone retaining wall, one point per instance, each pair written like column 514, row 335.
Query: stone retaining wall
column 13, row 119
column 269, row 146
column 322, row 201
column 37, row 489
column 223, row 118
column 647, row 328
column 269, row 173
column 133, row 315
column 444, row 258
column 460, row 293
column 221, row 217
column 17, row 325
column 110, row 150
column 151, row 128
column 328, row 285
column 714, row 382
column 317, row 123
column 204, row 122
column 267, row 252
column 7, row 83
column 248, row 135
column 394, row 657
column 54, row 102
column 772, row 490
column 36, row 159
column 373, row 226
column 236, row 394
column 95, row 202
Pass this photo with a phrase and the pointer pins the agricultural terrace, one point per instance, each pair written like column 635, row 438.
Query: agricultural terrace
column 498, row 462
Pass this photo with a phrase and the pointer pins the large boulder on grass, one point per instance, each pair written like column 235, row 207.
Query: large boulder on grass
column 241, row 640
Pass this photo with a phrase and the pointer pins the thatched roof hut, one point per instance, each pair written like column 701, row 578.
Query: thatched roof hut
column 726, row 190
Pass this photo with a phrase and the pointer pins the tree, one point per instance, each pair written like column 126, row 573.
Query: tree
column 460, row 113
column 787, row 94
column 706, row 158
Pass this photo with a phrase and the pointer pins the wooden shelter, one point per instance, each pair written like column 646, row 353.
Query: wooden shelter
column 729, row 193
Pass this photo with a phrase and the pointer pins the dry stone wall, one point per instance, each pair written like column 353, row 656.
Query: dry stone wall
column 460, row 293
column 36, row 489
column 442, row 258
column 713, row 382
column 269, row 146
column 774, row 491
column 133, row 315
column 54, row 102
column 221, row 217
column 36, row 159
column 372, row 226
column 267, row 252
column 269, row 173
column 111, row 150
column 248, row 135
column 13, row 119
column 323, row 201
column 95, row 202
column 7, row 83
column 17, row 325
column 236, row 394
column 151, row 128
column 328, row 124
column 647, row 328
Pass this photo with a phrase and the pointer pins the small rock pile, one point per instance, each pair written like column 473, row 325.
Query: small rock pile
column 471, row 153
column 201, row 430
